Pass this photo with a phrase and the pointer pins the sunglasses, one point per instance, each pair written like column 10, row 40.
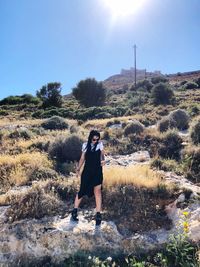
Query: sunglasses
column 95, row 139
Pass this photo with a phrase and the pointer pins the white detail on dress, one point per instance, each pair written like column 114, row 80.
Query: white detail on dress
column 99, row 146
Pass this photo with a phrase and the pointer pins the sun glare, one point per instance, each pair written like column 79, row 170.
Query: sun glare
column 123, row 7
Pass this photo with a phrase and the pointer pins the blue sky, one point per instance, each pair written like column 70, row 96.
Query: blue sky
column 69, row 40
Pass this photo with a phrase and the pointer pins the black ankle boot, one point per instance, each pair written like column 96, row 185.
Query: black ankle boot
column 74, row 215
column 98, row 218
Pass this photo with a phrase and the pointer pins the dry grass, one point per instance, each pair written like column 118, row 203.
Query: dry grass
column 99, row 123
column 27, row 122
column 137, row 175
column 154, row 132
column 15, row 170
column 5, row 122
column 35, row 203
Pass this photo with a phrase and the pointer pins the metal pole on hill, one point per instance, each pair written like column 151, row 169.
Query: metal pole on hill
column 135, row 62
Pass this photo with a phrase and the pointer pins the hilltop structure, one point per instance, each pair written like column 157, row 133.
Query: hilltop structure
column 127, row 77
column 141, row 74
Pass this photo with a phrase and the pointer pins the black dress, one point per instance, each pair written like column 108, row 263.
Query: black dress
column 92, row 174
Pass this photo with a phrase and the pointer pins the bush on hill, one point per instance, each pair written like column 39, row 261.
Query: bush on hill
column 171, row 146
column 16, row 100
column 181, row 118
column 162, row 94
column 55, row 123
column 191, row 85
column 90, row 93
column 133, row 128
column 166, row 123
column 50, row 95
column 195, row 133
column 159, row 79
column 191, row 163
column 66, row 149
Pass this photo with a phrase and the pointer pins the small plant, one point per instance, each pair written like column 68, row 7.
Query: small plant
column 180, row 251
column 97, row 262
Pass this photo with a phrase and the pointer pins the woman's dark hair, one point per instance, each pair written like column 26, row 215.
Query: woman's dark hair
column 91, row 135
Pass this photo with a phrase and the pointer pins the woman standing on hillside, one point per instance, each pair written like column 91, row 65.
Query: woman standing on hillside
column 92, row 175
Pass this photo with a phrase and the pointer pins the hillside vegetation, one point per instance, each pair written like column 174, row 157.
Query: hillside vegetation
column 41, row 141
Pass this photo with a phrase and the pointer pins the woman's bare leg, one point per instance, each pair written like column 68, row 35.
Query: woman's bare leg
column 98, row 197
column 77, row 202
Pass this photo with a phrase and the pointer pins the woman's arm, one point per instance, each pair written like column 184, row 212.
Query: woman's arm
column 102, row 158
column 81, row 161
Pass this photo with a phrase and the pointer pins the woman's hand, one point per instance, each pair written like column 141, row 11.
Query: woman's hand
column 103, row 162
column 78, row 172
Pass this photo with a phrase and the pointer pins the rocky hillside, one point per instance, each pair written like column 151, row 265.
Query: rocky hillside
column 126, row 78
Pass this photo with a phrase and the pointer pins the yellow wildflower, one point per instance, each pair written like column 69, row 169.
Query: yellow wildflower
column 185, row 213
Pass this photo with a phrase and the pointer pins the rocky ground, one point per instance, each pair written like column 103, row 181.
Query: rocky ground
column 55, row 238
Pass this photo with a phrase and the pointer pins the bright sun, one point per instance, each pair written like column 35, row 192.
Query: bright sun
column 123, row 7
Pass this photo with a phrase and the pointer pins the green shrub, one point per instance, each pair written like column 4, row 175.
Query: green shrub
column 166, row 123
column 66, row 149
column 162, row 94
column 181, row 118
column 55, row 123
column 134, row 128
column 171, row 146
column 195, row 133
column 180, row 252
